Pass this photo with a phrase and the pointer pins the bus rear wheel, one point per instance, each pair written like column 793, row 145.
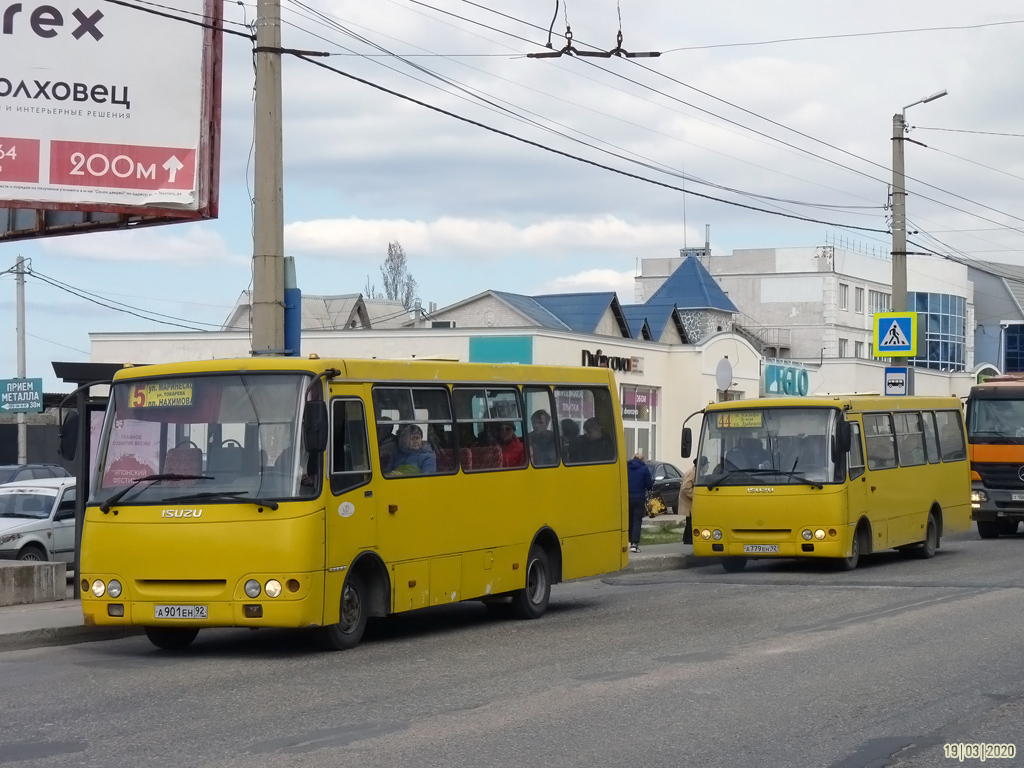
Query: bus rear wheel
column 171, row 638
column 926, row 549
column 531, row 601
column 988, row 529
column 734, row 564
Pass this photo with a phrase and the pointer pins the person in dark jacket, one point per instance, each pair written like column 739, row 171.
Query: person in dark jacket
column 640, row 482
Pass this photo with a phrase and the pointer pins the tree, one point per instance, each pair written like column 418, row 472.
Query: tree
column 399, row 285
column 371, row 291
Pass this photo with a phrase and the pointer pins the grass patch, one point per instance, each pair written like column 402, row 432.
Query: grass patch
column 662, row 533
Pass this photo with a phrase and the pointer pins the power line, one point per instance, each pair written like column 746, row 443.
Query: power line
column 960, row 130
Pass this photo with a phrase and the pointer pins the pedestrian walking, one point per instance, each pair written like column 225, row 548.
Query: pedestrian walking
column 640, row 482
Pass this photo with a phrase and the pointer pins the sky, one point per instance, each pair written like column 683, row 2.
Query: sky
column 766, row 125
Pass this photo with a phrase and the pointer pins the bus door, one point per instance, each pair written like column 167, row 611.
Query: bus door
column 351, row 506
column 857, row 488
column 886, row 494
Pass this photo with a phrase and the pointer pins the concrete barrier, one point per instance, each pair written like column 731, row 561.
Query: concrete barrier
column 22, row 583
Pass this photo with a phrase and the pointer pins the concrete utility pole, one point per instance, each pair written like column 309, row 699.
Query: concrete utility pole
column 899, row 205
column 19, row 271
column 268, row 234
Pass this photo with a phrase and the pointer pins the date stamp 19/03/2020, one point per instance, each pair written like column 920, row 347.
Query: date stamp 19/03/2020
column 961, row 751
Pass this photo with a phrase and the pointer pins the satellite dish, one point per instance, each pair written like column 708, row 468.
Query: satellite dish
column 723, row 374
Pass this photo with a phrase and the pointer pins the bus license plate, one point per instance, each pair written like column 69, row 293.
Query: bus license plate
column 761, row 549
column 180, row 611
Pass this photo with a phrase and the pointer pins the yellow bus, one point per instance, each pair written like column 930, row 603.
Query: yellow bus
column 834, row 476
column 290, row 492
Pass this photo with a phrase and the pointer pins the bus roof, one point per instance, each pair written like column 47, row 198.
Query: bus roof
column 365, row 370
column 845, row 402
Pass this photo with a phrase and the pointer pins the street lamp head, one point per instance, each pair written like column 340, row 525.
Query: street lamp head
column 935, row 96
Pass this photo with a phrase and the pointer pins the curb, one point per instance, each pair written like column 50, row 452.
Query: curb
column 673, row 562
column 53, row 636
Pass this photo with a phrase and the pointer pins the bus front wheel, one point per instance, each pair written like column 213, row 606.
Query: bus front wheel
column 734, row 564
column 988, row 529
column 531, row 601
column 850, row 563
column 171, row 638
column 348, row 631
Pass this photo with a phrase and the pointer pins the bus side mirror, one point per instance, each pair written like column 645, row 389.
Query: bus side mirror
column 69, row 436
column 845, row 436
column 314, row 427
column 687, row 444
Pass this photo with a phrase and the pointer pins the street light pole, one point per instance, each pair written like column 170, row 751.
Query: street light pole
column 899, row 206
column 268, row 225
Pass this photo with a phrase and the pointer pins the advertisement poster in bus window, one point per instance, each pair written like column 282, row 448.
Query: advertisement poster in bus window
column 133, row 452
column 575, row 404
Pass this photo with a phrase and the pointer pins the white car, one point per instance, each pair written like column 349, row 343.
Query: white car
column 37, row 520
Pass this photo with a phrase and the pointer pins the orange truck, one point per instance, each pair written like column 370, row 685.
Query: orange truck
column 995, row 437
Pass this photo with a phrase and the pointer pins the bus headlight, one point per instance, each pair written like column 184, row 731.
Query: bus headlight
column 98, row 588
column 716, row 535
column 252, row 588
column 273, row 588
column 979, row 496
column 705, row 534
column 114, row 588
column 806, row 533
column 820, row 534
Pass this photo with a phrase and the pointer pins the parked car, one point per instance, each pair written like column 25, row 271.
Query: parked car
column 37, row 520
column 667, row 479
column 13, row 473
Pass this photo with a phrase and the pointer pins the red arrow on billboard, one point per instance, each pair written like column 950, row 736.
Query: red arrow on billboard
column 121, row 166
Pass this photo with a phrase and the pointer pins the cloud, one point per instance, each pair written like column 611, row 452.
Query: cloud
column 465, row 238
column 184, row 244
column 595, row 280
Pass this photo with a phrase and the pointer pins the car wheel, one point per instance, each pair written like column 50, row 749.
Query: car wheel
column 531, row 601
column 988, row 529
column 32, row 553
column 351, row 624
column 171, row 638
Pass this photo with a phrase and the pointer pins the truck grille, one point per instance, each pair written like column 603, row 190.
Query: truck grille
column 999, row 475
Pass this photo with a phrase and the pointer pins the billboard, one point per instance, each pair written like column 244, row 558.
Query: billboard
column 109, row 116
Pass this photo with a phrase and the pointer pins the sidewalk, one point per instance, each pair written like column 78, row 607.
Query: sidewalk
column 62, row 622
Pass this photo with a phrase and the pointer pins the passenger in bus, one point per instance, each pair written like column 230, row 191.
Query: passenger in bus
column 387, row 443
column 513, row 453
column 570, row 437
column 748, row 454
column 542, row 440
column 413, row 457
column 595, row 445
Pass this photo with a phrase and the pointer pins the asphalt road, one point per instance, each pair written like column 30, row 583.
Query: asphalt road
column 785, row 664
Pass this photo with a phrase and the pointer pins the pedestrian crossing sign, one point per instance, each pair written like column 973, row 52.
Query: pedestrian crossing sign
column 895, row 334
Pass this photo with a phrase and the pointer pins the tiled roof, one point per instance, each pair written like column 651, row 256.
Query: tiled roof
column 583, row 311
column 533, row 309
column 690, row 287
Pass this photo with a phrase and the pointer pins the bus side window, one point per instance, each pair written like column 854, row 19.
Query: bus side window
column 350, row 454
column 910, row 438
column 881, row 447
column 856, row 454
column 951, row 436
column 931, row 442
column 591, row 410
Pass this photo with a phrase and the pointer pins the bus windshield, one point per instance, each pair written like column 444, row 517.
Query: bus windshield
column 768, row 446
column 995, row 420
column 226, row 435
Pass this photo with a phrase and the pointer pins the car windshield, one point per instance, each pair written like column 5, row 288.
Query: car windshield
column 222, row 435
column 768, row 446
column 995, row 421
column 34, row 504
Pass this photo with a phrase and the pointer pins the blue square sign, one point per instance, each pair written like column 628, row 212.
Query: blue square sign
column 895, row 334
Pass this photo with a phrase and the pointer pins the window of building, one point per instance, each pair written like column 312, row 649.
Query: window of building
column 1013, row 356
column 878, row 302
column 843, row 344
column 858, row 349
column 944, row 320
column 844, row 296
column 640, row 420
column 858, row 300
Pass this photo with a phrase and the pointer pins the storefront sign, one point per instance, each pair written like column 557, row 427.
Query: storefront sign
column 785, row 380
column 638, row 404
column 624, row 364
